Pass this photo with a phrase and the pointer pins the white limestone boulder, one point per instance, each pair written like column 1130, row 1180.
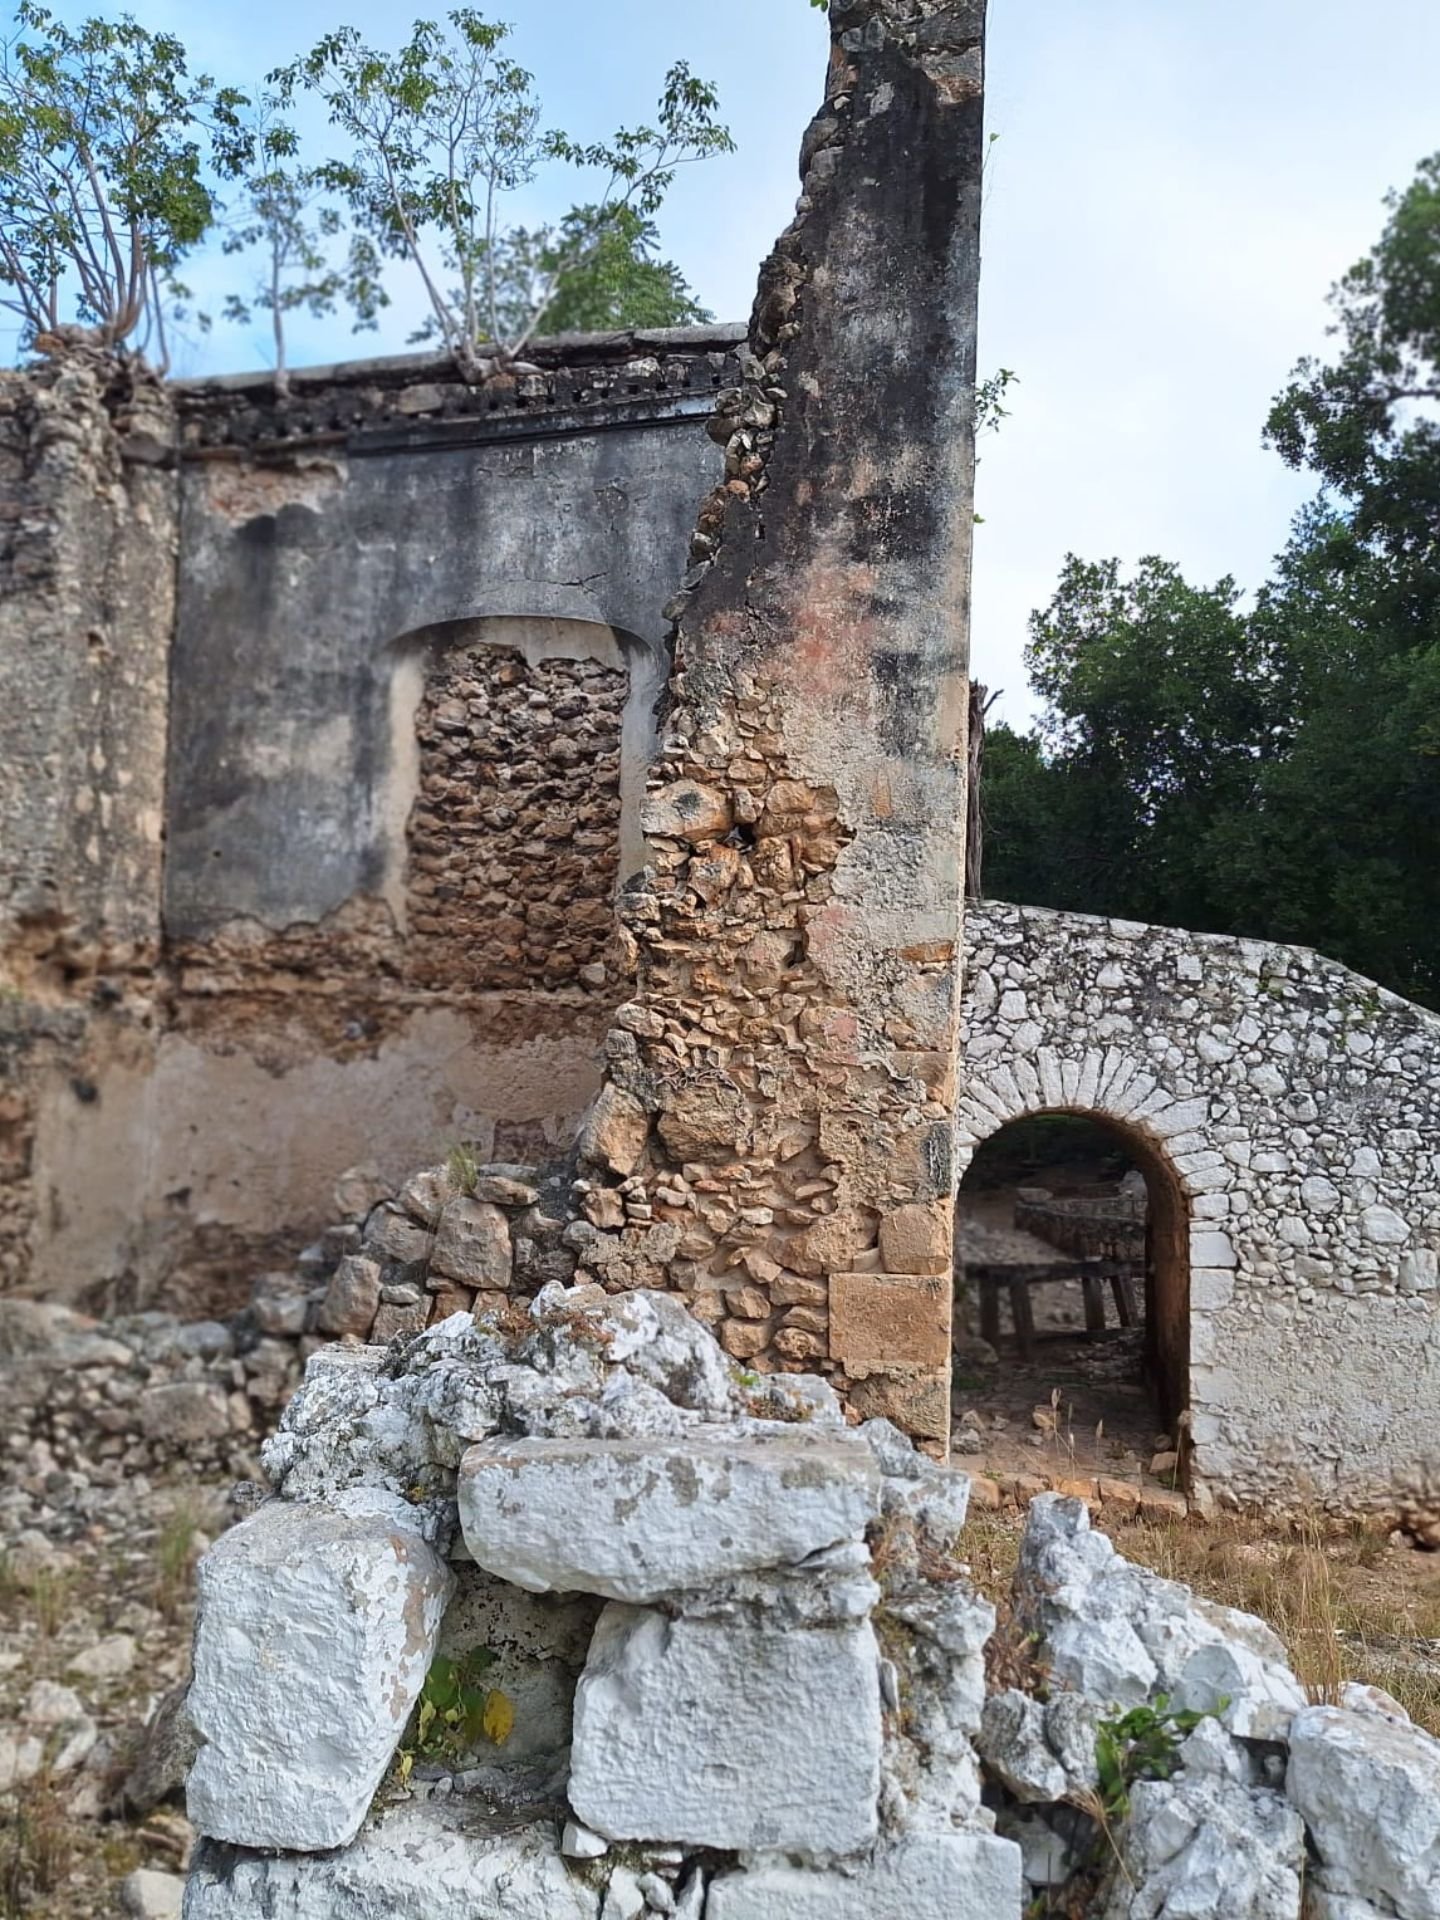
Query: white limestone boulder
column 950, row 1876
column 1369, row 1790
column 934, row 1499
column 635, row 1519
column 1208, row 1845
column 315, row 1630
column 935, row 1638
column 428, row 1860
column 723, row 1733
column 1322, row 1904
column 1119, row 1634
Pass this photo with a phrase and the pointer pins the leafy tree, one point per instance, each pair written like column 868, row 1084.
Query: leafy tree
column 285, row 220
column 1160, row 709
column 1276, row 772
column 441, row 132
column 1342, row 848
column 1367, row 422
column 617, row 282
column 107, row 145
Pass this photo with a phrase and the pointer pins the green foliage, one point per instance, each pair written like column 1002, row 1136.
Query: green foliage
column 615, row 282
column 1365, row 423
column 1143, row 1744
column 438, row 134
column 457, row 1714
column 990, row 408
column 1161, row 704
column 114, row 159
column 463, row 1167
column 108, row 152
column 284, row 219
column 1272, row 772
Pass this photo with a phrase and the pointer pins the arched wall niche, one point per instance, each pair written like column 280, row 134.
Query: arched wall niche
column 591, row 690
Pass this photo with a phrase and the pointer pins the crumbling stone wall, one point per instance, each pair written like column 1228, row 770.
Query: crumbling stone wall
column 774, row 1138
column 1296, row 1109
column 334, row 549
column 87, row 580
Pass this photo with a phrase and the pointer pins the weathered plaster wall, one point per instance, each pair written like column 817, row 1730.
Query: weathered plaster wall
column 309, row 562
column 199, row 1166
column 1298, row 1108
column 87, row 578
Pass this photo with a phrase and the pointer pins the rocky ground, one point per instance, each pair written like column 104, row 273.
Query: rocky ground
column 127, row 1447
column 95, row 1616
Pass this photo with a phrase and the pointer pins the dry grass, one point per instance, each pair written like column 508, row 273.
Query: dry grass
column 1347, row 1604
column 176, row 1552
column 40, row 1596
column 35, row 1846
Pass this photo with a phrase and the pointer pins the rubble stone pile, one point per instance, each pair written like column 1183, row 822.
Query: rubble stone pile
column 699, row 1683
column 562, row 1612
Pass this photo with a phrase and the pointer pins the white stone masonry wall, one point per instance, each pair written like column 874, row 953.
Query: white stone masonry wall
column 1298, row 1107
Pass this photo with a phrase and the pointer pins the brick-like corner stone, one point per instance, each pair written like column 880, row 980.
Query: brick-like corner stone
column 917, row 1238
column 916, row 1399
column 887, row 1322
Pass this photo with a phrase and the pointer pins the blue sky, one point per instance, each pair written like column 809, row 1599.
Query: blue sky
column 1173, row 189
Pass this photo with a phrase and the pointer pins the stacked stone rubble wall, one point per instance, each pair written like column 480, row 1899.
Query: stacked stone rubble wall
column 1296, row 1108
column 721, row 1655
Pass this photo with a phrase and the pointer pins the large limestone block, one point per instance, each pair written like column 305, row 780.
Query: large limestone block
column 432, row 1860
column 952, row 1876
column 1369, row 1791
column 635, row 1519
column 722, row 1733
column 315, row 1631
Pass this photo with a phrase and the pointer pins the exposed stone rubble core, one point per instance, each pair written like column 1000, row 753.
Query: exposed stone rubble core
column 1294, row 1109
column 741, row 1722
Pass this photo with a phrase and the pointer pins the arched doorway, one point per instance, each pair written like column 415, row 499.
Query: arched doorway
column 1073, row 1299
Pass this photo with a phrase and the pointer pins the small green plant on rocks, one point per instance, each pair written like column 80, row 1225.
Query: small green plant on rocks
column 463, row 1167
column 1143, row 1744
column 457, row 1713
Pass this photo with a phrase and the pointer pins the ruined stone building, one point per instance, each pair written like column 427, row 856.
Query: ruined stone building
column 335, row 729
